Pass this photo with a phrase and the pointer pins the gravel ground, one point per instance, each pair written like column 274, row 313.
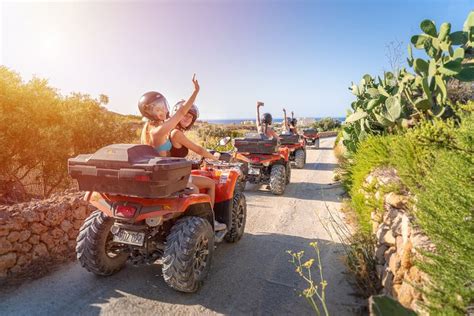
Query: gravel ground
column 250, row 277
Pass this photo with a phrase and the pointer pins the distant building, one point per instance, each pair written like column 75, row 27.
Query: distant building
column 306, row 121
column 250, row 122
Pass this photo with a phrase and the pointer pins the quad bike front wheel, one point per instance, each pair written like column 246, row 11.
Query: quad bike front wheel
column 188, row 253
column 316, row 143
column 239, row 217
column 95, row 248
column 300, row 158
column 278, row 179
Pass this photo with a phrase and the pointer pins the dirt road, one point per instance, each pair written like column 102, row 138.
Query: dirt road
column 250, row 277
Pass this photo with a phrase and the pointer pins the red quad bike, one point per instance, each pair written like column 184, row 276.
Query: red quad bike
column 264, row 161
column 311, row 137
column 296, row 147
column 145, row 212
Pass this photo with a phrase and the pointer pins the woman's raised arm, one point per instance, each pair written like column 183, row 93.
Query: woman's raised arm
column 173, row 121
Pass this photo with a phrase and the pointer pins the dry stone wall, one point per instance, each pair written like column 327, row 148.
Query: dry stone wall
column 398, row 239
column 39, row 232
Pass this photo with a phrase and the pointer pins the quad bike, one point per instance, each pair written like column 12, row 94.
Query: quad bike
column 311, row 137
column 264, row 162
column 297, row 148
column 141, row 225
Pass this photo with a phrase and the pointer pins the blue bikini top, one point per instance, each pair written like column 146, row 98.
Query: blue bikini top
column 165, row 147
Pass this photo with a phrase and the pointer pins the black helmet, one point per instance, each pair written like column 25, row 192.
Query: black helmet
column 148, row 101
column 267, row 118
column 194, row 111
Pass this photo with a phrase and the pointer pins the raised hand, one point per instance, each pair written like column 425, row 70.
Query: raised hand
column 259, row 104
column 196, row 83
column 284, row 110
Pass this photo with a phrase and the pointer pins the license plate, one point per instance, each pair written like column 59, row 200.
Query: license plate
column 130, row 237
column 254, row 171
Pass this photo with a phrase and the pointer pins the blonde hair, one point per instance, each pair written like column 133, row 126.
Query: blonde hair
column 145, row 137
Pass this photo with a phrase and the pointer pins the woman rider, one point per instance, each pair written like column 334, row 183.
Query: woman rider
column 293, row 124
column 180, row 143
column 156, row 132
column 290, row 123
column 266, row 120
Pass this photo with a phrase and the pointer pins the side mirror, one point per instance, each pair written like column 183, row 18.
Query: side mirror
column 224, row 141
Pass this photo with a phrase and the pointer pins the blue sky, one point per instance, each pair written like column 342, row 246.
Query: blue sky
column 299, row 54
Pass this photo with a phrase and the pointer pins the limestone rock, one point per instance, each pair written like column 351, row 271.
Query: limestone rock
column 24, row 235
column 397, row 225
column 78, row 223
column 60, row 249
column 57, row 233
column 406, row 229
column 13, row 236
column 414, row 274
column 23, row 259
column 379, row 254
column 48, row 240
column 388, row 238
column 5, row 246
column 40, row 251
column 34, row 239
column 16, row 269
column 37, row 228
column 406, row 261
column 390, row 214
column 394, row 263
column 396, row 290
column 379, row 269
column 7, row 261
column 396, row 200
column 399, row 243
column 388, row 253
column 26, row 247
column 66, row 225
column 405, row 295
column 72, row 234
column 387, row 280
column 80, row 212
column 31, row 215
column 71, row 244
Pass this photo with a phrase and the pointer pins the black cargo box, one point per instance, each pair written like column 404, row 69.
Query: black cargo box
column 256, row 144
column 310, row 132
column 289, row 139
column 130, row 169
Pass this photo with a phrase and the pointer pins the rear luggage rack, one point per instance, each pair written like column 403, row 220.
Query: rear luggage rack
column 130, row 170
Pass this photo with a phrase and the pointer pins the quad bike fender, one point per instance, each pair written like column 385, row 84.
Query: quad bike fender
column 225, row 180
column 284, row 153
column 147, row 207
column 203, row 210
column 241, row 157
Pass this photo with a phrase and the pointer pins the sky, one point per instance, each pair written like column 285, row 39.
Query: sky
column 301, row 55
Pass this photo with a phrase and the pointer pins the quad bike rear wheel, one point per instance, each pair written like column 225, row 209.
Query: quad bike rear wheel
column 95, row 248
column 278, row 179
column 288, row 173
column 300, row 158
column 239, row 217
column 188, row 253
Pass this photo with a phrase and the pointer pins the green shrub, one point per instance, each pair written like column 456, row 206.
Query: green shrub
column 40, row 129
column 435, row 162
column 326, row 124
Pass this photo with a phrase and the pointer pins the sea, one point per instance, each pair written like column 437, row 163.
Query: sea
column 276, row 120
